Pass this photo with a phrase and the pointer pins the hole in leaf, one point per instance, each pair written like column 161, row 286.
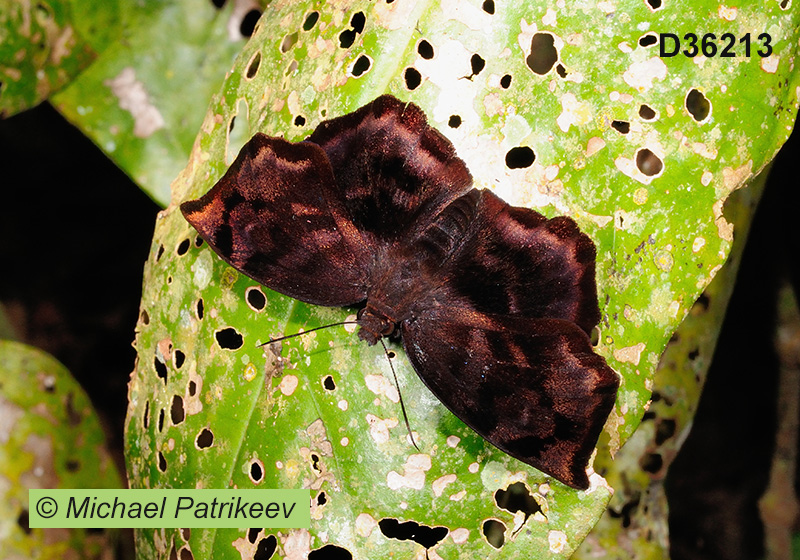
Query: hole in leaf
column 665, row 429
column 183, row 247
column 361, row 65
column 412, row 78
column 162, row 462
column 652, row 463
column 145, row 317
column 698, row 105
column 561, row 71
column 186, row 533
column 266, row 548
column 205, row 439
column 412, row 531
column 357, row 21
column 218, row 3
column 159, row 252
column 488, row 7
column 347, row 38
column 517, row 497
column 454, row 121
column 322, row 499
column 192, row 388
column 289, row 41
column 229, row 339
column 520, row 157
column 494, row 531
column 161, row 369
column 249, row 21
column 646, row 112
column 425, row 49
column 180, row 358
column 330, row 552
column 654, row 4
column 23, row 520
column 299, row 120
column 177, row 413
column 252, row 535
column 198, row 241
column 161, row 420
column 505, row 81
column 648, row 163
column 256, row 471
column 255, row 298
column 477, row 64
column 622, row 127
column 72, row 465
column 146, row 415
column 311, row 21
column 328, row 383
column 173, row 555
column 543, row 53
column 186, row 554
column 252, row 68
column 200, row 308
column 315, row 462
column 648, row 40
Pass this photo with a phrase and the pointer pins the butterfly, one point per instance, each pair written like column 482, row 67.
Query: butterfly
column 493, row 303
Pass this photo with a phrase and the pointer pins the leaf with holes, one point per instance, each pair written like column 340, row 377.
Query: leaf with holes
column 51, row 439
column 570, row 112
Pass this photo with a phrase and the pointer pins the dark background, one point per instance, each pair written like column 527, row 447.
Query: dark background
column 75, row 232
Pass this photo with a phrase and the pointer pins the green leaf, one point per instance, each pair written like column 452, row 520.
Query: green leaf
column 50, row 437
column 648, row 189
column 43, row 47
column 142, row 100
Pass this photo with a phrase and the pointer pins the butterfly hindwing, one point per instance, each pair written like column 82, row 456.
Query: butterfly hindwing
column 532, row 387
column 514, row 261
column 277, row 217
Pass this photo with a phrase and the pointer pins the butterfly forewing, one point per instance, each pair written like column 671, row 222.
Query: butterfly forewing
column 277, row 217
column 395, row 173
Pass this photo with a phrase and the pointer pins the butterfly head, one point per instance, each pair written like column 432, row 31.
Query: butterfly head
column 374, row 324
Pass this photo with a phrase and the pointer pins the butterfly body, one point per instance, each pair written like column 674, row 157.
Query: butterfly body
column 493, row 303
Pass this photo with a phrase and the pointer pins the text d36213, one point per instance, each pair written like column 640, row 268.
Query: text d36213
column 709, row 45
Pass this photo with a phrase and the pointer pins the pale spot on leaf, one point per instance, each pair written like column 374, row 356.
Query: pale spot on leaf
column 288, row 384
column 134, row 98
column 557, row 541
column 460, row 535
column 630, row 354
column 441, row 483
column 413, row 473
column 640, row 75
column 365, row 523
column 379, row 428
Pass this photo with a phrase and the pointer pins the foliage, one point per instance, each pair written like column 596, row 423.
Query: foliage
column 642, row 151
column 50, row 437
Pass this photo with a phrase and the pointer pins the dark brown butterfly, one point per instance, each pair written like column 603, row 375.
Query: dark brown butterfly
column 493, row 302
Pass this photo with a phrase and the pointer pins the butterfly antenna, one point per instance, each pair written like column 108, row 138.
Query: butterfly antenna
column 271, row 340
column 402, row 404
